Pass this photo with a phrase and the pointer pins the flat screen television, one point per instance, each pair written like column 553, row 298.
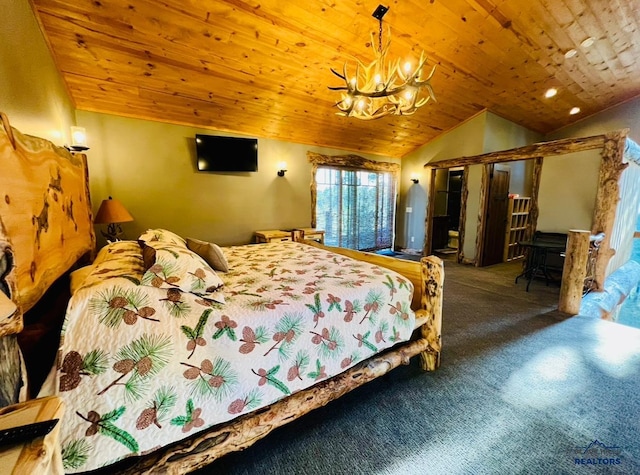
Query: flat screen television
column 226, row 154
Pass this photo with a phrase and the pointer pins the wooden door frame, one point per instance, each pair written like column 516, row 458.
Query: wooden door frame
column 612, row 146
column 485, row 192
column 428, row 235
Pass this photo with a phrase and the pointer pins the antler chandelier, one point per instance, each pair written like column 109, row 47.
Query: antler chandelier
column 380, row 89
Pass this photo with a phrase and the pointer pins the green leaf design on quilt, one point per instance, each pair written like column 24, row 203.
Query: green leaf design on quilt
column 141, row 359
column 316, row 308
column 191, row 419
column 391, row 286
column 215, row 378
column 288, row 330
column 225, row 326
column 373, row 305
column 267, row 377
column 363, row 340
column 95, row 362
column 334, row 302
column 113, row 415
column 104, row 425
column 157, row 410
column 76, row 453
column 116, row 305
column 194, row 335
column 319, row 372
column 120, row 435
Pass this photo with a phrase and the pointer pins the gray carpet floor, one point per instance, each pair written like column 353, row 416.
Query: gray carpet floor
column 522, row 389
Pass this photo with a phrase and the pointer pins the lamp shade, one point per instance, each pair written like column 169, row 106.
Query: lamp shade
column 112, row 211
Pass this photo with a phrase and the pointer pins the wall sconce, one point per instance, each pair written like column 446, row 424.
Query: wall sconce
column 112, row 213
column 78, row 140
column 282, row 167
column 414, row 178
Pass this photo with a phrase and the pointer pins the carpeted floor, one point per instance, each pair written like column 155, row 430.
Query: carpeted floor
column 522, row 390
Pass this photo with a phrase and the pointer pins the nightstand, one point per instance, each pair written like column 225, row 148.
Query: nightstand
column 274, row 235
column 40, row 455
column 312, row 234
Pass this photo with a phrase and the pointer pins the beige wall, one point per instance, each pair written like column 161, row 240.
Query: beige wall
column 568, row 186
column 31, row 91
column 465, row 139
column 150, row 167
column 624, row 116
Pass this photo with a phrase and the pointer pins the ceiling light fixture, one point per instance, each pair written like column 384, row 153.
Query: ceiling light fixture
column 571, row 53
column 574, row 111
column 588, row 42
column 380, row 89
column 552, row 91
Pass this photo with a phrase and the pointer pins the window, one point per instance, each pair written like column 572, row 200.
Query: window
column 355, row 206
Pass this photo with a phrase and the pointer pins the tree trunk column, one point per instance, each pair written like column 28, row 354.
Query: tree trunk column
column 574, row 271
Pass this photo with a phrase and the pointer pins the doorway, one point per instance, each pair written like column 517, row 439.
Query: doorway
column 447, row 204
column 496, row 216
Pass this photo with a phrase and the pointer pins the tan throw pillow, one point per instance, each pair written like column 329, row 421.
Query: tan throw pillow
column 210, row 252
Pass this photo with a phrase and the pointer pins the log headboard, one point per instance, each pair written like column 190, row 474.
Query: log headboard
column 45, row 221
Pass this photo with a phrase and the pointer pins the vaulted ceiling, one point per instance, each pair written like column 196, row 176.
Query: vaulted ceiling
column 261, row 67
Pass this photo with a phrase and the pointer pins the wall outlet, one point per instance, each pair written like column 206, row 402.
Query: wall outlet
column 412, row 239
column 409, row 209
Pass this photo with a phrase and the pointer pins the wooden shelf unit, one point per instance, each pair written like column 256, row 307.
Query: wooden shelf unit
column 517, row 221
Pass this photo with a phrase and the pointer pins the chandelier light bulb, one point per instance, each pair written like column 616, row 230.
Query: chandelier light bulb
column 380, row 87
column 588, row 42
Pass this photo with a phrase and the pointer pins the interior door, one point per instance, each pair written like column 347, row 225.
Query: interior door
column 496, row 217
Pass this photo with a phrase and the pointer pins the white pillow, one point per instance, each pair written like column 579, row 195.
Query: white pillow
column 162, row 235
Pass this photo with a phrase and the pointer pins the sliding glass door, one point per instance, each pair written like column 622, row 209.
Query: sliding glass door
column 355, row 207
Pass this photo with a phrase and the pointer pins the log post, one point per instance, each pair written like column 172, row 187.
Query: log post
column 574, row 271
column 432, row 281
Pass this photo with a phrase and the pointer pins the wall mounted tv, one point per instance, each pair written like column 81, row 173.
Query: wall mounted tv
column 226, row 154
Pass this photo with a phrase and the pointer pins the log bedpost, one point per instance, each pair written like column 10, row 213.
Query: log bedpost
column 432, row 269
column 574, row 271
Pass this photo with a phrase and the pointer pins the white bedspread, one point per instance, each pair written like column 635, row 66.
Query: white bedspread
column 142, row 367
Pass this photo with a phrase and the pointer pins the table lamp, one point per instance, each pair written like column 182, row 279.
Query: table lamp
column 112, row 213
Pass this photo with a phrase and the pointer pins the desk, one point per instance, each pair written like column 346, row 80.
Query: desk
column 536, row 263
column 273, row 235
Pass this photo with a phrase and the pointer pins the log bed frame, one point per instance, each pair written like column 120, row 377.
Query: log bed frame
column 46, row 227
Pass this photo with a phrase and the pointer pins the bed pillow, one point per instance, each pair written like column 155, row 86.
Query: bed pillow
column 162, row 235
column 171, row 266
column 117, row 260
column 78, row 276
column 210, row 252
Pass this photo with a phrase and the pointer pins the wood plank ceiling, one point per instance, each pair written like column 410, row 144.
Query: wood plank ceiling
column 262, row 67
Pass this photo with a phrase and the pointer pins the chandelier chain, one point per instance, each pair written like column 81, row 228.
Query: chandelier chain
column 380, row 37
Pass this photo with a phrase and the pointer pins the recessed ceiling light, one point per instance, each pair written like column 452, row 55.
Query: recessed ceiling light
column 588, row 42
column 574, row 111
column 571, row 53
column 550, row 92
